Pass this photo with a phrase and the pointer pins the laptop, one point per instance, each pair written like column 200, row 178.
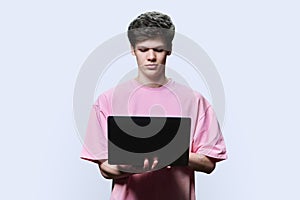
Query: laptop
column 131, row 139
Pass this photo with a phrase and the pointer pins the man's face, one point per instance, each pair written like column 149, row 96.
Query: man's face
column 151, row 58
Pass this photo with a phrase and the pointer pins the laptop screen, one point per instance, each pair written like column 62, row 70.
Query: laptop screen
column 131, row 139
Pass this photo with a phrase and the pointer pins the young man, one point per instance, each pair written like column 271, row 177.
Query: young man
column 151, row 93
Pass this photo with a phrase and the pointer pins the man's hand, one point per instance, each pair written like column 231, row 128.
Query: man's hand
column 111, row 171
column 147, row 166
column 121, row 171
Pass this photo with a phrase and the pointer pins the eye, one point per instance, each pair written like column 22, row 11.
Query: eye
column 158, row 50
column 143, row 49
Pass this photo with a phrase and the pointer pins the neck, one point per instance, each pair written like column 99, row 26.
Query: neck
column 152, row 82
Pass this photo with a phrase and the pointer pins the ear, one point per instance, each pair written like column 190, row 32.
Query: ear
column 169, row 51
column 132, row 50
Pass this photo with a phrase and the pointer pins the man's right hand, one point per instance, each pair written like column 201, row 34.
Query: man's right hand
column 120, row 171
column 147, row 166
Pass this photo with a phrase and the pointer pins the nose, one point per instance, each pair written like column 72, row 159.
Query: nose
column 151, row 56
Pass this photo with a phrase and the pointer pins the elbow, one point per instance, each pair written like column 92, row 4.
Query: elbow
column 202, row 163
column 210, row 168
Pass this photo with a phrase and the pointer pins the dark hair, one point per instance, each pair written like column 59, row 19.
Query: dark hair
column 151, row 25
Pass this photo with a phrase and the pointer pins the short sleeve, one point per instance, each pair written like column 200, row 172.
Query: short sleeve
column 208, row 139
column 95, row 141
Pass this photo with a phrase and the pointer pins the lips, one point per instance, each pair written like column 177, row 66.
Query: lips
column 151, row 66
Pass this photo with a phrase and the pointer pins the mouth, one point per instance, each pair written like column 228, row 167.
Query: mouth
column 151, row 66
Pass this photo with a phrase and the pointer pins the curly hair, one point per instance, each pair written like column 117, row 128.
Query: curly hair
column 151, row 25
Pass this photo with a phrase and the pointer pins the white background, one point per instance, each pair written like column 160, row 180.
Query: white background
column 254, row 45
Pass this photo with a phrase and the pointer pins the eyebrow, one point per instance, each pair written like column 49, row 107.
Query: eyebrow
column 157, row 47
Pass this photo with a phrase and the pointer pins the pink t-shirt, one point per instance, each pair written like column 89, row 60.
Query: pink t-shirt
column 171, row 99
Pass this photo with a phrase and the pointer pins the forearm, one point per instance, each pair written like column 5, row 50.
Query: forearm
column 201, row 163
column 197, row 162
column 111, row 171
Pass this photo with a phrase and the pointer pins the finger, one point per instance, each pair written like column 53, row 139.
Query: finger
column 146, row 164
column 155, row 163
